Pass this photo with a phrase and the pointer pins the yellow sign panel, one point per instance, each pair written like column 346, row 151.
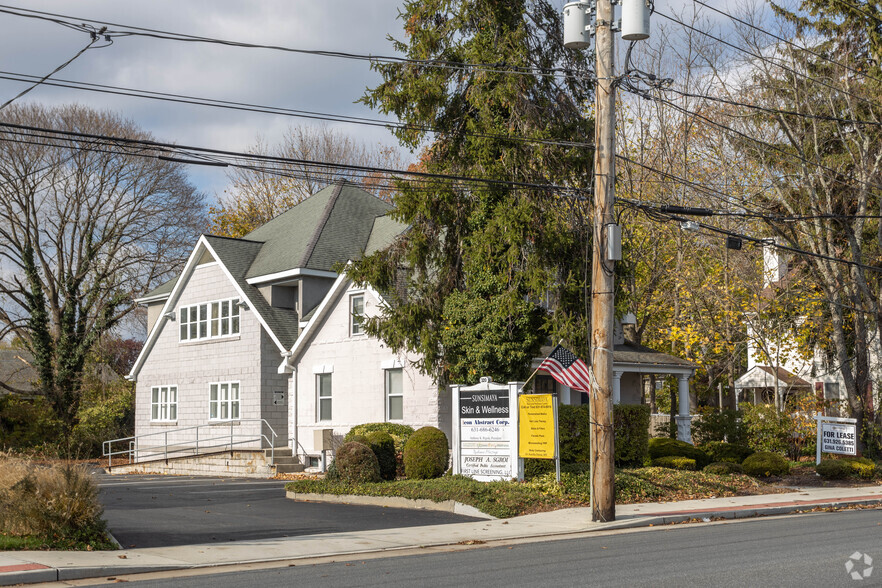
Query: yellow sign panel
column 536, row 426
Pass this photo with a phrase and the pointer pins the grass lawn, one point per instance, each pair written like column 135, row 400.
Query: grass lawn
column 508, row 499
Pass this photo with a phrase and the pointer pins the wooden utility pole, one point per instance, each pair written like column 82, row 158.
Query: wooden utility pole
column 603, row 505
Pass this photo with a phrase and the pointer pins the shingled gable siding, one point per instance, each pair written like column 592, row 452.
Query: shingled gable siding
column 358, row 392
column 243, row 358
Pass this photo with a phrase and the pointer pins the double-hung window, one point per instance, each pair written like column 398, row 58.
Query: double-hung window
column 209, row 320
column 323, row 393
column 223, row 401
column 394, row 394
column 164, row 403
column 356, row 313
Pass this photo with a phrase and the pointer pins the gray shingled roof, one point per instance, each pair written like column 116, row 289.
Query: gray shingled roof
column 164, row 288
column 337, row 224
column 639, row 354
column 16, row 370
column 237, row 255
column 330, row 227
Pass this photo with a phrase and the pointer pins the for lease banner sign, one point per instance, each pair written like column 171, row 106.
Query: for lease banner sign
column 838, row 438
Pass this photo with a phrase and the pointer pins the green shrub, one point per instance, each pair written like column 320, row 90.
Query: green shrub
column 383, row 446
column 675, row 463
column 764, row 463
column 399, row 433
column 722, row 451
column 715, row 425
column 849, row 467
column 664, row 446
column 357, row 439
column 356, row 463
column 723, row 468
column 631, row 426
column 534, row 468
column 27, row 423
column 107, row 411
column 575, row 433
column 767, row 430
column 426, row 454
column 833, row 469
column 862, row 467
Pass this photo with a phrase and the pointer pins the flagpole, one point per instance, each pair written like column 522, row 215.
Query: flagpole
column 559, row 343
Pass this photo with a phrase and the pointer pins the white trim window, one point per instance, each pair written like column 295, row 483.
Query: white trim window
column 323, row 397
column 209, row 320
column 394, row 394
column 223, row 401
column 356, row 314
column 164, row 403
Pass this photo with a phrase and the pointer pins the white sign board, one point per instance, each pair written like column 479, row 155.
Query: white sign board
column 839, row 438
column 485, row 431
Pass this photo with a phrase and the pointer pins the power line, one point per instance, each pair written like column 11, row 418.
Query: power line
column 786, row 41
column 764, row 59
column 743, row 135
column 655, row 213
column 130, row 30
column 277, row 110
column 172, row 150
column 48, row 75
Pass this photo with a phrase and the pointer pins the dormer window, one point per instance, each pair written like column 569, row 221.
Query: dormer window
column 209, row 320
column 356, row 313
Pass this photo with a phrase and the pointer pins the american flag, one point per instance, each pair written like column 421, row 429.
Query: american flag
column 567, row 369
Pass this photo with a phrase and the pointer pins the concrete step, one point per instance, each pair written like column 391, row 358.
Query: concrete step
column 289, row 468
column 286, row 460
column 279, row 452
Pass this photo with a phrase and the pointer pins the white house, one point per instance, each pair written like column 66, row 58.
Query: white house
column 258, row 342
column 775, row 368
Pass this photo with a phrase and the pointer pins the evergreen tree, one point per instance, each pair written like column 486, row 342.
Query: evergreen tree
column 488, row 92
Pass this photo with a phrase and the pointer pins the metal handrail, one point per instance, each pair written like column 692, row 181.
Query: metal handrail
column 134, row 452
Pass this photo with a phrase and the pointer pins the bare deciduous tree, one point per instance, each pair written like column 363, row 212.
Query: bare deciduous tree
column 257, row 194
column 84, row 228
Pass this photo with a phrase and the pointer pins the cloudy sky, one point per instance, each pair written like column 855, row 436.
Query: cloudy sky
column 259, row 76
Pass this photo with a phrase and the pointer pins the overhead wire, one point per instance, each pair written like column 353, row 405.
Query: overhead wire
column 131, row 30
column 142, row 147
column 277, row 110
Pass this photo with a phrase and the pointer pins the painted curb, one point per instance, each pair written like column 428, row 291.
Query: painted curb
column 450, row 506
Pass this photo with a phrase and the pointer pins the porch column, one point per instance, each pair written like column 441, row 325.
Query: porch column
column 617, row 387
column 684, row 421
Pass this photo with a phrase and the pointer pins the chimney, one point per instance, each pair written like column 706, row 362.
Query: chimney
column 629, row 328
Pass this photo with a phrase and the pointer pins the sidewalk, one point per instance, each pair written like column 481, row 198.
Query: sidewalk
column 49, row 566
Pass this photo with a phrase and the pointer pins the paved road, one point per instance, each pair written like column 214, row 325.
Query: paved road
column 155, row 511
column 804, row 550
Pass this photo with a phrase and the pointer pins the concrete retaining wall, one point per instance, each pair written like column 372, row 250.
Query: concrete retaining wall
column 243, row 464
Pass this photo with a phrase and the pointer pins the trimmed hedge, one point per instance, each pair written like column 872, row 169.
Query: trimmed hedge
column 356, row 463
column 764, row 463
column 426, row 454
column 840, row 469
column 383, row 446
column 664, row 447
column 631, row 429
column 723, row 468
column 400, row 433
column 731, row 452
column 631, row 426
column 675, row 463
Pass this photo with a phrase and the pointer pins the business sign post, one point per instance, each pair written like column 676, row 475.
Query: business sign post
column 485, row 430
column 537, row 430
column 836, row 435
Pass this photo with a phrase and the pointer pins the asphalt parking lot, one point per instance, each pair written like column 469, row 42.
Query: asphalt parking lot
column 155, row 511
